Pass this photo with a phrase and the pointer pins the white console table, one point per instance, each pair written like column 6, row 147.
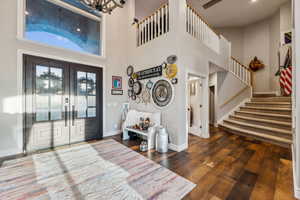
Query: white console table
column 149, row 134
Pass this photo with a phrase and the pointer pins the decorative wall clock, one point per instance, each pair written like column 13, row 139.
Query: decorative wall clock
column 162, row 93
column 130, row 70
column 137, row 88
column 130, row 82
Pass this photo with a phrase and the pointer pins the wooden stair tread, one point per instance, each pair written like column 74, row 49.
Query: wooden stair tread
column 273, row 108
column 264, row 120
column 270, row 103
column 283, row 131
column 266, row 114
column 257, row 134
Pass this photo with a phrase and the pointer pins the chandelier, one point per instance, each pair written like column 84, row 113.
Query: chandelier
column 104, row 6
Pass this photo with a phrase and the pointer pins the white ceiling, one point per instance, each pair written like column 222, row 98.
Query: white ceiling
column 235, row 13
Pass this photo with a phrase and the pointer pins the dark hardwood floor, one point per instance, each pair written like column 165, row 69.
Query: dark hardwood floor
column 229, row 167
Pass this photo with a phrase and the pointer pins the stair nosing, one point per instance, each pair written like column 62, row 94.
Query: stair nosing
column 263, row 120
column 270, row 103
column 266, row 114
column 282, row 131
column 262, row 135
column 275, row 109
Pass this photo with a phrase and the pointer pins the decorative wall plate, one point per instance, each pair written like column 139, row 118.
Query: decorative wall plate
column 137, row 88
column 149, row 85
column 172, row 59
column 130, row 82
column 138, row 100
column 146, row 96
column 171, row 71
column 162, row 93
column 133, row 97
column 130, row 70
column 134, row 75
column 174, row 81
column 130, row 93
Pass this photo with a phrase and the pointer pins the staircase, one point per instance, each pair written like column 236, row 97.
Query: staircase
column 266, row 118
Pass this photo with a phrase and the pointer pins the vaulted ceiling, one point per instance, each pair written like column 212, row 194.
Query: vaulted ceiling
column 234, row 13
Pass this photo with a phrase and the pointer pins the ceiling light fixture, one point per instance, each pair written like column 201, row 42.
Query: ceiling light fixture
column 253, row 1
column 104, row 6
column 78, row 29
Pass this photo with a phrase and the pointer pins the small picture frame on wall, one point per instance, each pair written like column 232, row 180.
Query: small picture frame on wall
column 116, row 82
column 116, row 92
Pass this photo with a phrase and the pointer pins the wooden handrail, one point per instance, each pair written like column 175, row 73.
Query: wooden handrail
column 198, row 15
column 233, row 97
column 149, row 16
column 240, row 63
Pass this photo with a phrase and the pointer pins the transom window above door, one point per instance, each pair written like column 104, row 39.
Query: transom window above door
column 59, row 26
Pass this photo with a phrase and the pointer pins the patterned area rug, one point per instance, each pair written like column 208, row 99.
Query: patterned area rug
column 103, row 170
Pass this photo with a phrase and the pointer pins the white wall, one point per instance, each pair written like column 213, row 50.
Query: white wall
column 10, row 74
column 144, row 8
column 261, row 39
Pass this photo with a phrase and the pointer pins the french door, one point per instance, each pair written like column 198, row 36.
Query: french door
column 63, row 103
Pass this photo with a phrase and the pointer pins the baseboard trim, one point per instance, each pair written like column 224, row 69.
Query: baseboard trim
column 178, row 148
column 112, row 133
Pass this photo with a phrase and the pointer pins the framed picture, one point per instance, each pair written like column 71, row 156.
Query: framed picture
column 117, row 83
column 286, row 37
column 116, row 92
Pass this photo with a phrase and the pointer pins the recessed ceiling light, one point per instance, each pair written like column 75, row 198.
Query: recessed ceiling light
column 253, row 1
column 78, row 29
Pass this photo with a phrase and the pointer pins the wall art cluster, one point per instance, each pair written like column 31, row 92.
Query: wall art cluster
column 154, row 84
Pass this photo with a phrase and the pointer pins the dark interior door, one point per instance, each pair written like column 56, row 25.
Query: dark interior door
column 56, row 101
column 86, row 93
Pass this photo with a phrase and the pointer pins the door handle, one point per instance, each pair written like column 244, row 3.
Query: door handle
column 73, row 115
column 66, row 116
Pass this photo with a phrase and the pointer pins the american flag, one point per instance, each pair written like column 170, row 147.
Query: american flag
column 286, row 80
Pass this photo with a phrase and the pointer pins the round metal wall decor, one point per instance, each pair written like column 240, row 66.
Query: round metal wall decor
column 130, row 70
column 162, row 93
column 130, row 82
column 137, row 88
column 172, row 59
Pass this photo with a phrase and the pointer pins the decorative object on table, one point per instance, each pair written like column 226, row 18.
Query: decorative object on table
column 162, row 93
column 149, row 73
column 146, row 96
column 162, row 140
column 137, row 88
column 103, row 6
column 174, row 81
column 164, row 65
column 172, row 59
column 134, row 75
column 130, row 93
column 130, row 70
column 130, row 82
column 144, row 146
column 149, row 85
column 117, row 82
column 133, row 97
column 170, row 71
column 256, row 64
column 116, row 92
